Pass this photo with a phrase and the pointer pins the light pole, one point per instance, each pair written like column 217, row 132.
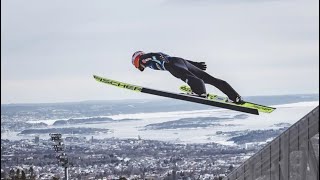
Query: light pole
column 58, row 147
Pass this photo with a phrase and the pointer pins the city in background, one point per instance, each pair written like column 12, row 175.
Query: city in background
column 138, row 139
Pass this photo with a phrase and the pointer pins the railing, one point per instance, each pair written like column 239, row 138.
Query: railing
column 293, row 155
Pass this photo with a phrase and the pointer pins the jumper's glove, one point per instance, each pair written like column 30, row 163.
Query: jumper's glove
column 200, row 65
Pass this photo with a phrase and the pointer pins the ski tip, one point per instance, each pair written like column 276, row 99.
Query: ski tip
column 96, row 77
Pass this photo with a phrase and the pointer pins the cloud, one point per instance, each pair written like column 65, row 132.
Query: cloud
column 244, row 42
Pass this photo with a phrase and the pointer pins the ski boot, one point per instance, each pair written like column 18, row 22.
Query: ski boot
column 238, row 100
column 204, row 95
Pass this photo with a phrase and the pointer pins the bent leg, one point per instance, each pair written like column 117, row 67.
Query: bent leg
column 222, row 85
column 178, row 68
column 196, row 84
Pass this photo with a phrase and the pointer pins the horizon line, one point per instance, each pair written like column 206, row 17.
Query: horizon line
column 131, row 99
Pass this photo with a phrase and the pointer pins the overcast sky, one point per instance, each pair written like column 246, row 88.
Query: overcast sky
column 51, row 49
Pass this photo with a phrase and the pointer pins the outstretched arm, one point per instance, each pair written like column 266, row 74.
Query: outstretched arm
column 200, row 65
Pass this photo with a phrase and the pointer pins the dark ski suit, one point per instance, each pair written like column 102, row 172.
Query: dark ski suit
column 188, row 71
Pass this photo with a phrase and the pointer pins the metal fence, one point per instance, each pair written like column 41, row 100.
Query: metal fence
column 293, row 155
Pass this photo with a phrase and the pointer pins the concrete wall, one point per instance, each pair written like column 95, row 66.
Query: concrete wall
column 293, row 155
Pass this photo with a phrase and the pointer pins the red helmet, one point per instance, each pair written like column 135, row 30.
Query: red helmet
column 136, row 58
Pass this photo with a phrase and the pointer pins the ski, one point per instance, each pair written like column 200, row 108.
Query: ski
column 184, row 97
column 213, row 97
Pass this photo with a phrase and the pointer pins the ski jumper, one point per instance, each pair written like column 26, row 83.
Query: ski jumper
column 188, row 72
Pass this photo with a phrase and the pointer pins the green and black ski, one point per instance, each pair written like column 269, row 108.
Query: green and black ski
column 213, row 97
column 185, row 97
